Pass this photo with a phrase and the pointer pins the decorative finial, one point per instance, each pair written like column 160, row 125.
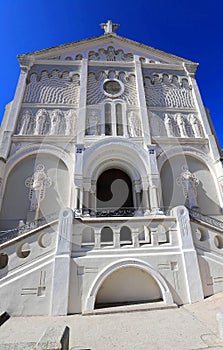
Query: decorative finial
column 109, row 27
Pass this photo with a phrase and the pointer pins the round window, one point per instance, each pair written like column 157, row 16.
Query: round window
column 113, row 88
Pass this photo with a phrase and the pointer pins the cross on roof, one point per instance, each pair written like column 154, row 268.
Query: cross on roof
column 109, row 27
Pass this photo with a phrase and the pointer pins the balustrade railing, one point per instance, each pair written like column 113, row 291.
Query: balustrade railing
column 7, row 235
column 119, row 212
column 205, row 218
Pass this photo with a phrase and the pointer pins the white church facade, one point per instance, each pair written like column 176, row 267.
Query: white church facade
column 111, row 181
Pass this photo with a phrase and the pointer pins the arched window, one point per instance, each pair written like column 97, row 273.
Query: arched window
column 108, row 119
column 114, row 119
column 119, row 119
column 106, row 236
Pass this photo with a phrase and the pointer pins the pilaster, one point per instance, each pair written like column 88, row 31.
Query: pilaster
column 61, row 274
column 82, row 105
column 142, row 103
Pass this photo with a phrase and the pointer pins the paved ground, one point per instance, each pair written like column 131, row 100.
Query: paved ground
column 191, row 327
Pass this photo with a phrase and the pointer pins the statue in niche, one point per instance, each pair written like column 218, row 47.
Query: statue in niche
column 111, row 54
column 40, row 122
column 168, row 121
column 55, row 119
column 195, row 124
column 25, row 123
column 189, row 182
column 93, row 125
column 37, row 184
column 181, row 124
column 71, row 120
column 134, row 125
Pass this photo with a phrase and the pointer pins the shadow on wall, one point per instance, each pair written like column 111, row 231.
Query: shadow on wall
column 176, row 193
column 38, row 179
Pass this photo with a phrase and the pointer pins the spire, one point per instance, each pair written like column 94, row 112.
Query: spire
column 109, row 27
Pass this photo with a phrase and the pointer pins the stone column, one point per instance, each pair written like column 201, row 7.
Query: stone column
column 153, row 197
column 86, row 197
column 97, row 238
column 154, row 237
column 142, row 103
column 145, row 197
column 61, row 273
column 135, row 237
column 93, row 197
column 81, row 120
column 116, row 237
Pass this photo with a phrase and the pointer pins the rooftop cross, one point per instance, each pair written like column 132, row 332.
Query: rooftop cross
column 109, row 27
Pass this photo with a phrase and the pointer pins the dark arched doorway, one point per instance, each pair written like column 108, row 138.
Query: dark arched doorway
column 114, row 190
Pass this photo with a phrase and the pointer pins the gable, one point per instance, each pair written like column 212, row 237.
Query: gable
column 108, row 47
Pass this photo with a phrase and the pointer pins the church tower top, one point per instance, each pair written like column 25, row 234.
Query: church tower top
column 109, row 27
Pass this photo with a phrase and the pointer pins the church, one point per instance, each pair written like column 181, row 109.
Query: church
column 111, row 181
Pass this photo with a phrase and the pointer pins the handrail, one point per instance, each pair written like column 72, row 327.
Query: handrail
column 119, row 212
column 205, row 218
column 19, row 230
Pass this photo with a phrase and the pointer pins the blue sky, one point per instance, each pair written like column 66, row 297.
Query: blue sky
column 192, row 29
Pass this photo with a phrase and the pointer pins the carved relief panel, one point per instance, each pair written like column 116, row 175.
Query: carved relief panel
column 109, row 54
column 111, row 83
column 53, row 87
column 47, row 122
column 175, row 125
column 165, row 90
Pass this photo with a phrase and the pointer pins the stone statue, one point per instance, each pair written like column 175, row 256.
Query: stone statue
column 71, row 122
column 111, row 54
column 181, row 124
column 195, row 124
column 40, row 122
column 168, row 121
column 55, row 118
column 93, row 124
column 25, row 123
column 189, row 182
column 134, row 125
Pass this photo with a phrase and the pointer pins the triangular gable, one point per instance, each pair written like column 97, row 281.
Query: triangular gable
column 105, row 47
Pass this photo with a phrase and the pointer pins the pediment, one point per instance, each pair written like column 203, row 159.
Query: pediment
column 110, row 47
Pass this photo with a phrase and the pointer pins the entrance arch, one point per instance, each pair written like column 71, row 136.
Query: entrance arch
column 114, row 190
column 121, row 264
column 128, row 285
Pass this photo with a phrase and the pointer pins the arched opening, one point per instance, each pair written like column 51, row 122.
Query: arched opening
column 190, row 183
column 114, row 190
column 106, row 236
column 125, row 235
column 36, row 187
column 128, row 285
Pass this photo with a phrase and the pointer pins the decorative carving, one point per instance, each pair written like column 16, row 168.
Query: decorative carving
column 196, row 126
column 56, row 118
column 109, row 27
column 40, row 122
column 110, row 55
column 163, row 90
column 37, row 184
column 93, row 123
column 134, row 125
column 71, row 122
column 54, row 87
column 168, row 121
column 95, row 92
column 189, row 182
column 25, row 122
column 181, row 125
